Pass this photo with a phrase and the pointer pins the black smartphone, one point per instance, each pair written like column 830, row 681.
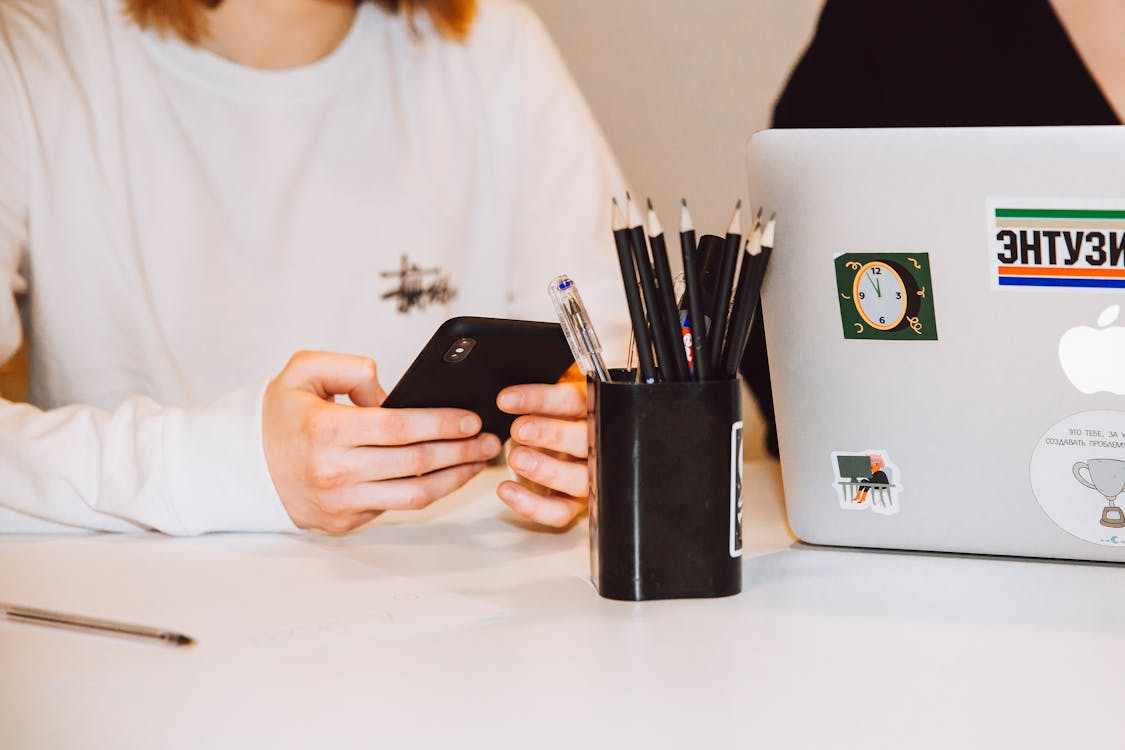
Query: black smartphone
column 468, row 361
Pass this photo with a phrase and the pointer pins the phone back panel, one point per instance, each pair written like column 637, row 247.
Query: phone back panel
column 507, row 352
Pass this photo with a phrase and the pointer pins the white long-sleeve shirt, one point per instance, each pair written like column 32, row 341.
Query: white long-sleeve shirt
column 173, row 226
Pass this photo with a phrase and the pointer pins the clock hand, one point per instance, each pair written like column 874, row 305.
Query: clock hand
column 871, row 279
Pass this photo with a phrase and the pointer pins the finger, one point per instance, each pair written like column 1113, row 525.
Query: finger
column 375, row 464
column 345, row 524
column 568, row 477
column 327, row 374
column 362, row 426
column 556, row 511
column 559, row 400
column 414, row 493
column 555, row 434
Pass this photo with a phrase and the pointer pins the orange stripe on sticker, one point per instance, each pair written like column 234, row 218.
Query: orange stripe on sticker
column 1090, row 273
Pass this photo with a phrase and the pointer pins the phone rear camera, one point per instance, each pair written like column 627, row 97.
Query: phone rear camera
column 459, row 351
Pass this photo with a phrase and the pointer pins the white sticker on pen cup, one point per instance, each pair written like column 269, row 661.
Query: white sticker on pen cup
column 736, row 489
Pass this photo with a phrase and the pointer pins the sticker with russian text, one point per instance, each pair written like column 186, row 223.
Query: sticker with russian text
column 1056, row 243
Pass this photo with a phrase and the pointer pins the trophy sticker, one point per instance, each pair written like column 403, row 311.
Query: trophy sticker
column 867, row 480
column 1078, row 476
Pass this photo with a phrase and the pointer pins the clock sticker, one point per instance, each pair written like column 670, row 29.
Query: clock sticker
column 886, row 296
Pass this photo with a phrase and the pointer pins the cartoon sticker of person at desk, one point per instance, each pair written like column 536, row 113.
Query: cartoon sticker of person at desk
column 878, row 476
column 867, row 480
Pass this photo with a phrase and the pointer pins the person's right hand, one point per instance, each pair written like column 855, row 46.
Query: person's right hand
column 337, row 466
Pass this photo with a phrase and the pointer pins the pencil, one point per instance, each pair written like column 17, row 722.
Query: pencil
column 647, row 368
column 723, row 289
column 700, row 368
column 744, row 305
column 677, row 365
column 754, row 296
column 664, row 368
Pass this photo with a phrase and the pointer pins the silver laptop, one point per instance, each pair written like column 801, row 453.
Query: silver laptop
column 946, row 338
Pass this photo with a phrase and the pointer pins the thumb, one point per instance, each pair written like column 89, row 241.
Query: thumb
column 327, row 374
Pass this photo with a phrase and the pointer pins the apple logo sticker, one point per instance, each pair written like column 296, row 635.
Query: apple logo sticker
column 1093, row 359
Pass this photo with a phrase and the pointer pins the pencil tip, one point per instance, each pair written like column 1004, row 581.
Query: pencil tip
column 683, row 202
column 628, row 197
column 649, row 202
column 767, row 234
column 654, row 228
column 735, row 225
column 614, row 200
column 618, row 220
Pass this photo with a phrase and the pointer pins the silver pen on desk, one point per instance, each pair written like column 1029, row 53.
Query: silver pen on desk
column 47, row 618
column 580, row 334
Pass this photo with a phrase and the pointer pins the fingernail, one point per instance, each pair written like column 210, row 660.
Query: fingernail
column 509, row 492
column 522, row 460
column 510, row 401
column 490, row 445
column 469, row 425
column 527, row 432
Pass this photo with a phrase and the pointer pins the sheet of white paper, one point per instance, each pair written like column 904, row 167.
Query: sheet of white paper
column 232, row 591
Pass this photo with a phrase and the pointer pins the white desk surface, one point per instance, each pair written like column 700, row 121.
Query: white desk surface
column 825, row 648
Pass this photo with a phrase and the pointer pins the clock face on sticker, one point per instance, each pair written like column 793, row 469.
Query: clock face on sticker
column 886, row 296
column 880, row 297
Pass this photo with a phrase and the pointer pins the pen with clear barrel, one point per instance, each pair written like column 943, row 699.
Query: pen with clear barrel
column 576, row 325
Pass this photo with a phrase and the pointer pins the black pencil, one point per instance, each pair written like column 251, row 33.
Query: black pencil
column 700, row 366
column 744, row 305
column 723, row 290
column 633, row 297
column 767, row 251
column 737, row 346
column 664, row 368
column 677, row 365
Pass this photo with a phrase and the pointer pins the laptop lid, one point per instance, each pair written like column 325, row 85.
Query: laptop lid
column 946, row 346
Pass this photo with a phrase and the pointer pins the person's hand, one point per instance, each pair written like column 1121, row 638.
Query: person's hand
column 337, row 466
column 555, row 420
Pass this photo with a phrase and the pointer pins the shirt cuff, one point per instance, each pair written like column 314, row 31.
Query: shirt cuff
column 216, row 467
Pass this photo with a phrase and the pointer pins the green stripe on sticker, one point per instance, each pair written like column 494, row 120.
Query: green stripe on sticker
column 1056, row 213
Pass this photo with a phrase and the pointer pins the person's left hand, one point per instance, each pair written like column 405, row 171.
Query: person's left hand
column 555, row 419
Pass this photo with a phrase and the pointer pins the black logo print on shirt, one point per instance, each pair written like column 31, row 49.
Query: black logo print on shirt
column 418, row 287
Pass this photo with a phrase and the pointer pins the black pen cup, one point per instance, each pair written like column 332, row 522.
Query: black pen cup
column 665, row 489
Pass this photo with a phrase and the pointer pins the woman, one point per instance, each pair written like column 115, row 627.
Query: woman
column 190, row 193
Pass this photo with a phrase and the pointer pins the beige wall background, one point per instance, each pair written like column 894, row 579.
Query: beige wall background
column 678, row 86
